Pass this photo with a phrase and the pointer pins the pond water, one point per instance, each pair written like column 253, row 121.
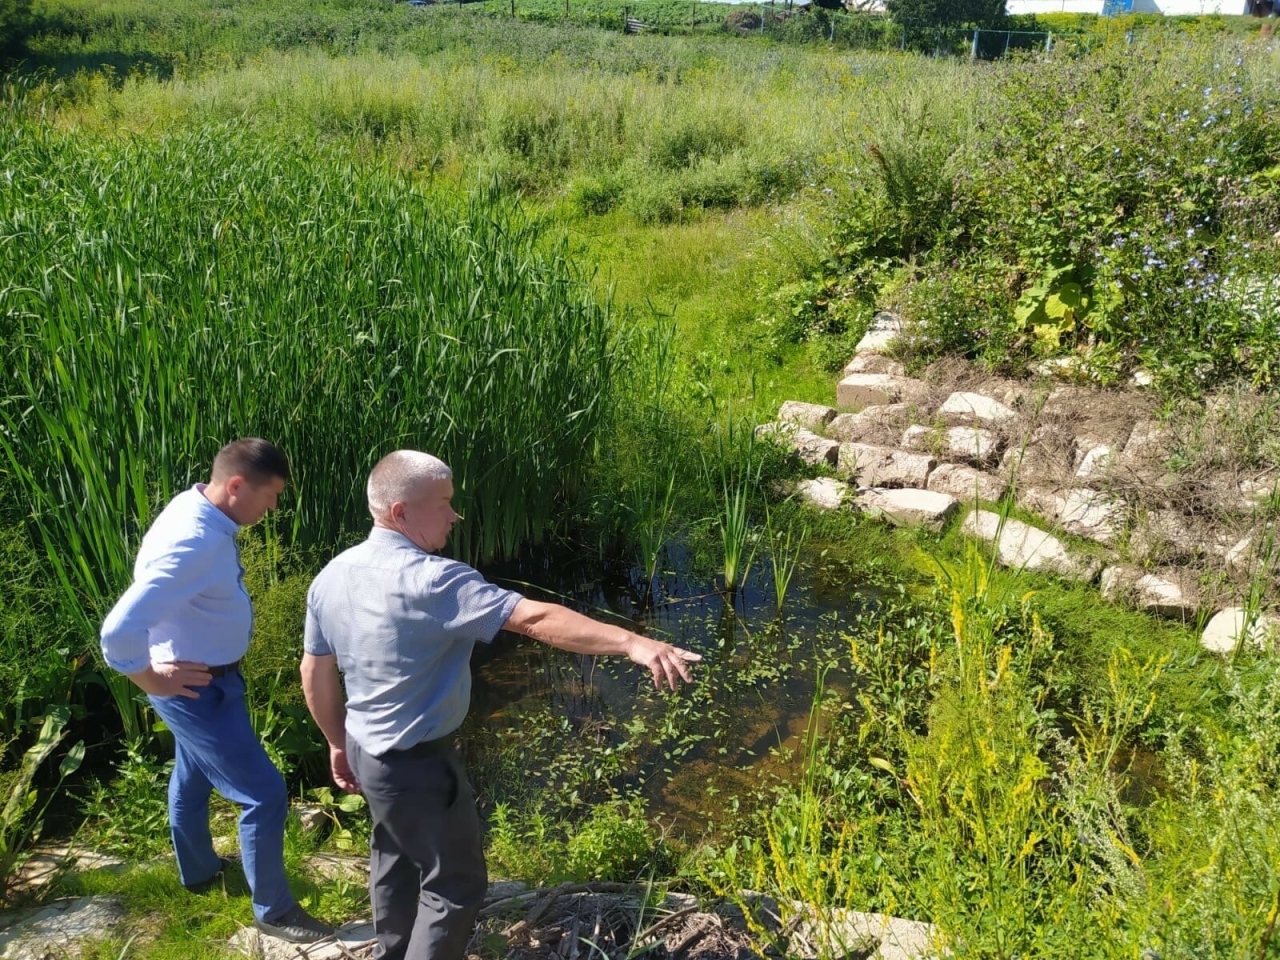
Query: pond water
column 753, row 691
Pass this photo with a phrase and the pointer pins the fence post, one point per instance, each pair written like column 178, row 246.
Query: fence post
column 973, row 47
column 693, row 15
column 1048, row 43
column 762, row 18
column 513, row 9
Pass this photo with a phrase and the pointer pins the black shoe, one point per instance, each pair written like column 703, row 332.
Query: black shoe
column 296, row 926
column 204, row 886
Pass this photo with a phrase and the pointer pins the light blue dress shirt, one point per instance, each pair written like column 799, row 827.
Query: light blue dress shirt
column 402, row 623
column 188, row 600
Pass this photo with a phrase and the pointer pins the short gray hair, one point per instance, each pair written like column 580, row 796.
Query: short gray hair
column 396, row 477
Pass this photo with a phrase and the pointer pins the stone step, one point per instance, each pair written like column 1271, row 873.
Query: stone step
column 811, row 416
column 810, row 447
column 1225, row 629
column 871, row 466
column 1158, row 593
column 964, row 482
column 908, row 507
column 1022, row 546
column 975, row 406
column 859, row 390
column 825, row 493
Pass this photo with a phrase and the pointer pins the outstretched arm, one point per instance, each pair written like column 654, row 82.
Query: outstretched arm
column 561, row 627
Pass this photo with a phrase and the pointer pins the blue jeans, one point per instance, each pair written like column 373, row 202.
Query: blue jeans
column 218, row 750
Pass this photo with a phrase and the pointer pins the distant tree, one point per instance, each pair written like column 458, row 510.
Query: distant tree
column 15, row 22
column 915, row 14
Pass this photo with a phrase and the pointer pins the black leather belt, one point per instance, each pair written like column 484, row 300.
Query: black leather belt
column 426, row 748
column 223, row 669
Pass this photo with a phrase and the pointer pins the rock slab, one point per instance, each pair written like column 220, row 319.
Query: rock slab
column 59, row 929
column 975, row 406
column 825, row 493
column 877, row 389
column 1224, row 631
column 1157, row 593
column 810, row 447
column 964, row 482
column 884, row 328
column 350, row 937
column 866, row 424
column 811, row 416
column 908, row 507
column 1023, row 546
column 871, row 466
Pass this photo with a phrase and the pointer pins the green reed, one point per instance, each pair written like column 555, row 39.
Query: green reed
column 161, row 296
column 786, row 545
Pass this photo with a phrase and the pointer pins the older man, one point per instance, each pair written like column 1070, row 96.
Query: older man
column 178, row 633
column 400, row 623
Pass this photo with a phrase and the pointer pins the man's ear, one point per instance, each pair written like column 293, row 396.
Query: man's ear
column 235, row 485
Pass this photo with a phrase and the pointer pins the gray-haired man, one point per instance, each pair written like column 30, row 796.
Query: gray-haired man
column 400, row 623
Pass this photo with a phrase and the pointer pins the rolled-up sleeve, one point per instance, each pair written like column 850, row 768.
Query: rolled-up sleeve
column 465, row 604
column 158, row 589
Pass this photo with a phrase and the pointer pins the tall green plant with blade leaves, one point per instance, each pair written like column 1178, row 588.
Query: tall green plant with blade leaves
column 20, row 819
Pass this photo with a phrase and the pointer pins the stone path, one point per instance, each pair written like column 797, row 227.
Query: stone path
column 1092, row 466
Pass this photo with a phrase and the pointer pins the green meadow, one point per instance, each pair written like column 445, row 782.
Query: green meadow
column 581, row 266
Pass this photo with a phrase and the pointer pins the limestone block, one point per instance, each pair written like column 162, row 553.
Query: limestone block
column 1092, row 461
column 1147, row 443
column 1240, row 556
column 874, row 389
column 964, row 482
column 868, row 423
column 1161, row 534
column 1158, row 593
column 810, row 447
column 347, row 939
column 811, row 416
column 973, row 444
column 825, row 493
column 1023, row 546
column 975, row 406
column 1227, row 627
column 875, row 363
column 1046, row 503
column 871, row 466
column 884, row 328
column 917, row 437
column 1089, row 513
column 908, row 507
column 60, row 929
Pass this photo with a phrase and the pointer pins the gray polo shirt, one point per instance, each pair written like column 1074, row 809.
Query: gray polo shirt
column 402, row 623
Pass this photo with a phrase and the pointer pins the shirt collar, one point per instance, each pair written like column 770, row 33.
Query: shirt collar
column 216, row 516
column 392, row 538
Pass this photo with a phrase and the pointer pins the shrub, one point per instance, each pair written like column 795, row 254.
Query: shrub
column 596, row 194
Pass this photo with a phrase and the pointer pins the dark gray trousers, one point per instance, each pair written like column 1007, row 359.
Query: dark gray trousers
column 427, row 877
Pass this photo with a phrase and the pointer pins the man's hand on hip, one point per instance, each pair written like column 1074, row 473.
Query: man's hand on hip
column 668, row 664
column 178, row 679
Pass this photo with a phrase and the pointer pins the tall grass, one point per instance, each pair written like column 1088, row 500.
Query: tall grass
column 164, row 295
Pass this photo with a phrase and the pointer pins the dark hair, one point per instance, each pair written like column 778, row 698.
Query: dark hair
column 252, row 458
